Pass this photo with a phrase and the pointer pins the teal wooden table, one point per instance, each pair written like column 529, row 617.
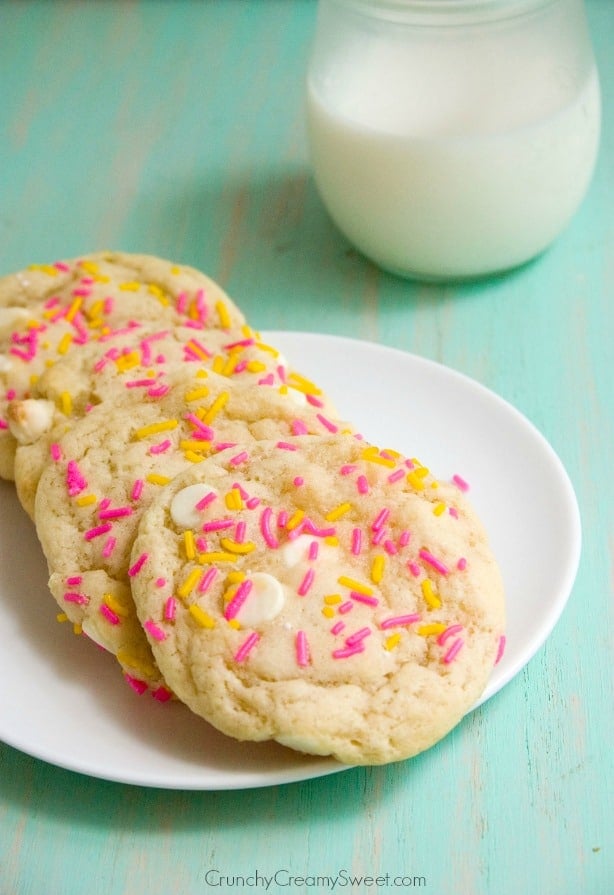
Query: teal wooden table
column 176, row 128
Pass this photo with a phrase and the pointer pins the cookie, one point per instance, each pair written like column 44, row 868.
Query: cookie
column 49, row 311
column 107, row 468
column 332, row 596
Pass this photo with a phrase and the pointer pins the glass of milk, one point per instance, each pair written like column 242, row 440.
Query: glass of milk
column 452, row 138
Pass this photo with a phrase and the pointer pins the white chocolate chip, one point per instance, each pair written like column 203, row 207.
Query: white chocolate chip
column 183, row 505
column 30, row 418
column 265, row 600
column 297, row 396
column 91, row 631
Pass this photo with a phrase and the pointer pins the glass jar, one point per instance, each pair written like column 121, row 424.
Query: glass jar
column 452, row 138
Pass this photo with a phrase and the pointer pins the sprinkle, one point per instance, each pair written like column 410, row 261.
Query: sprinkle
column 74, row 580
column 460, row 483
column 337, row 628
column 117, row 607
column 347, row 469
column 373, row 455
column 437, row 564
column 286, row 446
column 116, row 513
column 298, row 481
column 74, row 597
column 216, row 556
column 390, row 547
column 377, row 569
column 396, row 476
column 154, row 428
column 162, row 694
column 155, row 479
column 404, row 538
column 348, row 651
column 137, row 489
column 153, row 629
column 222, row 310
column 74, row 479
column 196, row 394
column 362, row 484
column 170, row 609
column 429, row 630
column 97, row 531
column 215, row 408
column 161, row 447
column 189, row 584
column 362, row 598
column 414, row 568
column 138, row 686
column 295, row 520
column 207, row 580
column 449, row 632
column 189, row 545
column 108, row 613
column 381, row 519
column 239, row 458
column 298, row 427
column 354, row 585
column 439, row 508
column 138, row 565
column 86, row 500
column 241, row 595
column 358, row 636
column 393, row 641
column 313, row 551
column 338, row 512
column 248, row 644
column 230, row 546
column 429, row 595
column 306, row 583
column 109, row 547
column 453, row 651
column 206, row 500
column 461, row 565
column 501, row 648
column 356, row 541
column 201, row 617
column 400, row 620
column 160, row 582
column 328, row 424
column 265, row 528
column 302, row 649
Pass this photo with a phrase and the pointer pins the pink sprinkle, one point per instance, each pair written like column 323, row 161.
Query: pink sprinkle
column 310, row 528
column 170, row 609
column 265, row 528
column 328, row 424
column 299, row 480
column 81, row 293
column 217, row 525
column 390, row 547
column 109, row 614
column 74, row 480
column 239, row 458
column 396, row 476
column 315, row 402
column 196, row 354
column 358, row 636
column 241, row 490
column 252, row 503
column 79, row 599
column 409, row 464
column 381, row 519
column 295, row 533
column 449, row 632
column 453, row 651
column 302, row 649
column 298, row 427
column 362, row 484
column 306, row 582
column 243, row 343
column 433, row 561
column 207, row 580
column 348, row 651
column 346, row 607
column 159, row 391
column 138, row 565
column 109, row 547
column 282, row 518
column 4, row 424
column 137, row 489
column 269, row 379
column 138, row 686
column 363, row 598
column 11, row 394
column 400, row 620
column 138, row 383
column 60, row 265
column 337, row 628
column 379, row 536
column 313, row 550
column 414, row 568
column 160, row 582
column 97, row 531
column 347, row 469
column 240, row 532
column 162, row 694
column 453, row 512
column 460, row 483
column 206, row 500
column 182, row 302
column 461, row 565
column 501, row 649
column 356, row 541
column 201, row 545
column 116, row 513
column 203, row 431
column 55, row 451
column 404, row 538
column 241, row 595
column 104, row 504
column 156, row 632
column 74, row 580
column 161, row 447
column 248, row 644
column 286, row 446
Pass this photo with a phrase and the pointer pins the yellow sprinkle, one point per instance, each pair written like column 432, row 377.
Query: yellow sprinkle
column 154, row 428
column 200, row 617
column 195, row 445
column 421, row 472
column 229, row 594
column 34, row 378
column 415, row 481
column 89, row 266
column 392, row 641
column 61, row 617
column 303, row 385
column 331, row 540
column 338, row 512
column 188, row 543
column 328, row 612
column 189, row 584
column 128, row 361
column 439, row 508
column 218, row 364
column 155, row 479
column 429, row 594
column 427, row 630
column 255, row 366
column 235, row 577
column 295, row 519
column 64, row 343
column 231, row 546
column 372, row 455
column 96, row 309
column 233, row 499
column 115, row 605
column 45, row 268
column 77, row 629
column 85, row 500
column 158, row 293
column 224, row 315
column 196, row 349
column 132, row 661
column 269, row 348
column 175, row 270
column 196, row 394
column 215, row 556
column 332, row 599
column 215, row 408
column 377, row 569
column 130, row 287
column 193, row 457
column 201, row 374
column 229, row 367
column 66, row 403
column 71, row 313
column 358, row 586
column 234, row 623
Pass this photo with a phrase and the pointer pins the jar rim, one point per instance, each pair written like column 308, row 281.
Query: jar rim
column 444, row 12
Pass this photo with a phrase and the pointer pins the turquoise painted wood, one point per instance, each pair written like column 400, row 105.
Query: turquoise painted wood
column 176, row 128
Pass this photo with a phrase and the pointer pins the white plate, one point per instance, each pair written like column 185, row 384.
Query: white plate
column 63, row 701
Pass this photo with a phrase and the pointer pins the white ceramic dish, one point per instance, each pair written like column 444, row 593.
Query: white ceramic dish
column 63, row 701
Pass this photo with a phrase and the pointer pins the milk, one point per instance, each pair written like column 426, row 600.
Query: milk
column 433, row 170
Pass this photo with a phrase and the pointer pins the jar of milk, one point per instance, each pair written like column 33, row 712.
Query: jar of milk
column 452, row 138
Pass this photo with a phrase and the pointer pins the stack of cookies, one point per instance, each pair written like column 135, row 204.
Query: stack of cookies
column 211, row 521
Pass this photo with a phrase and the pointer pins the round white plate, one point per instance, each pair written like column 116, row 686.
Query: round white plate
column 62, row 700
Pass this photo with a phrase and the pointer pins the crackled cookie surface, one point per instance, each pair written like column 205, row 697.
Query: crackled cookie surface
column 107, row 468
column 325, row 594
column 49, row 311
